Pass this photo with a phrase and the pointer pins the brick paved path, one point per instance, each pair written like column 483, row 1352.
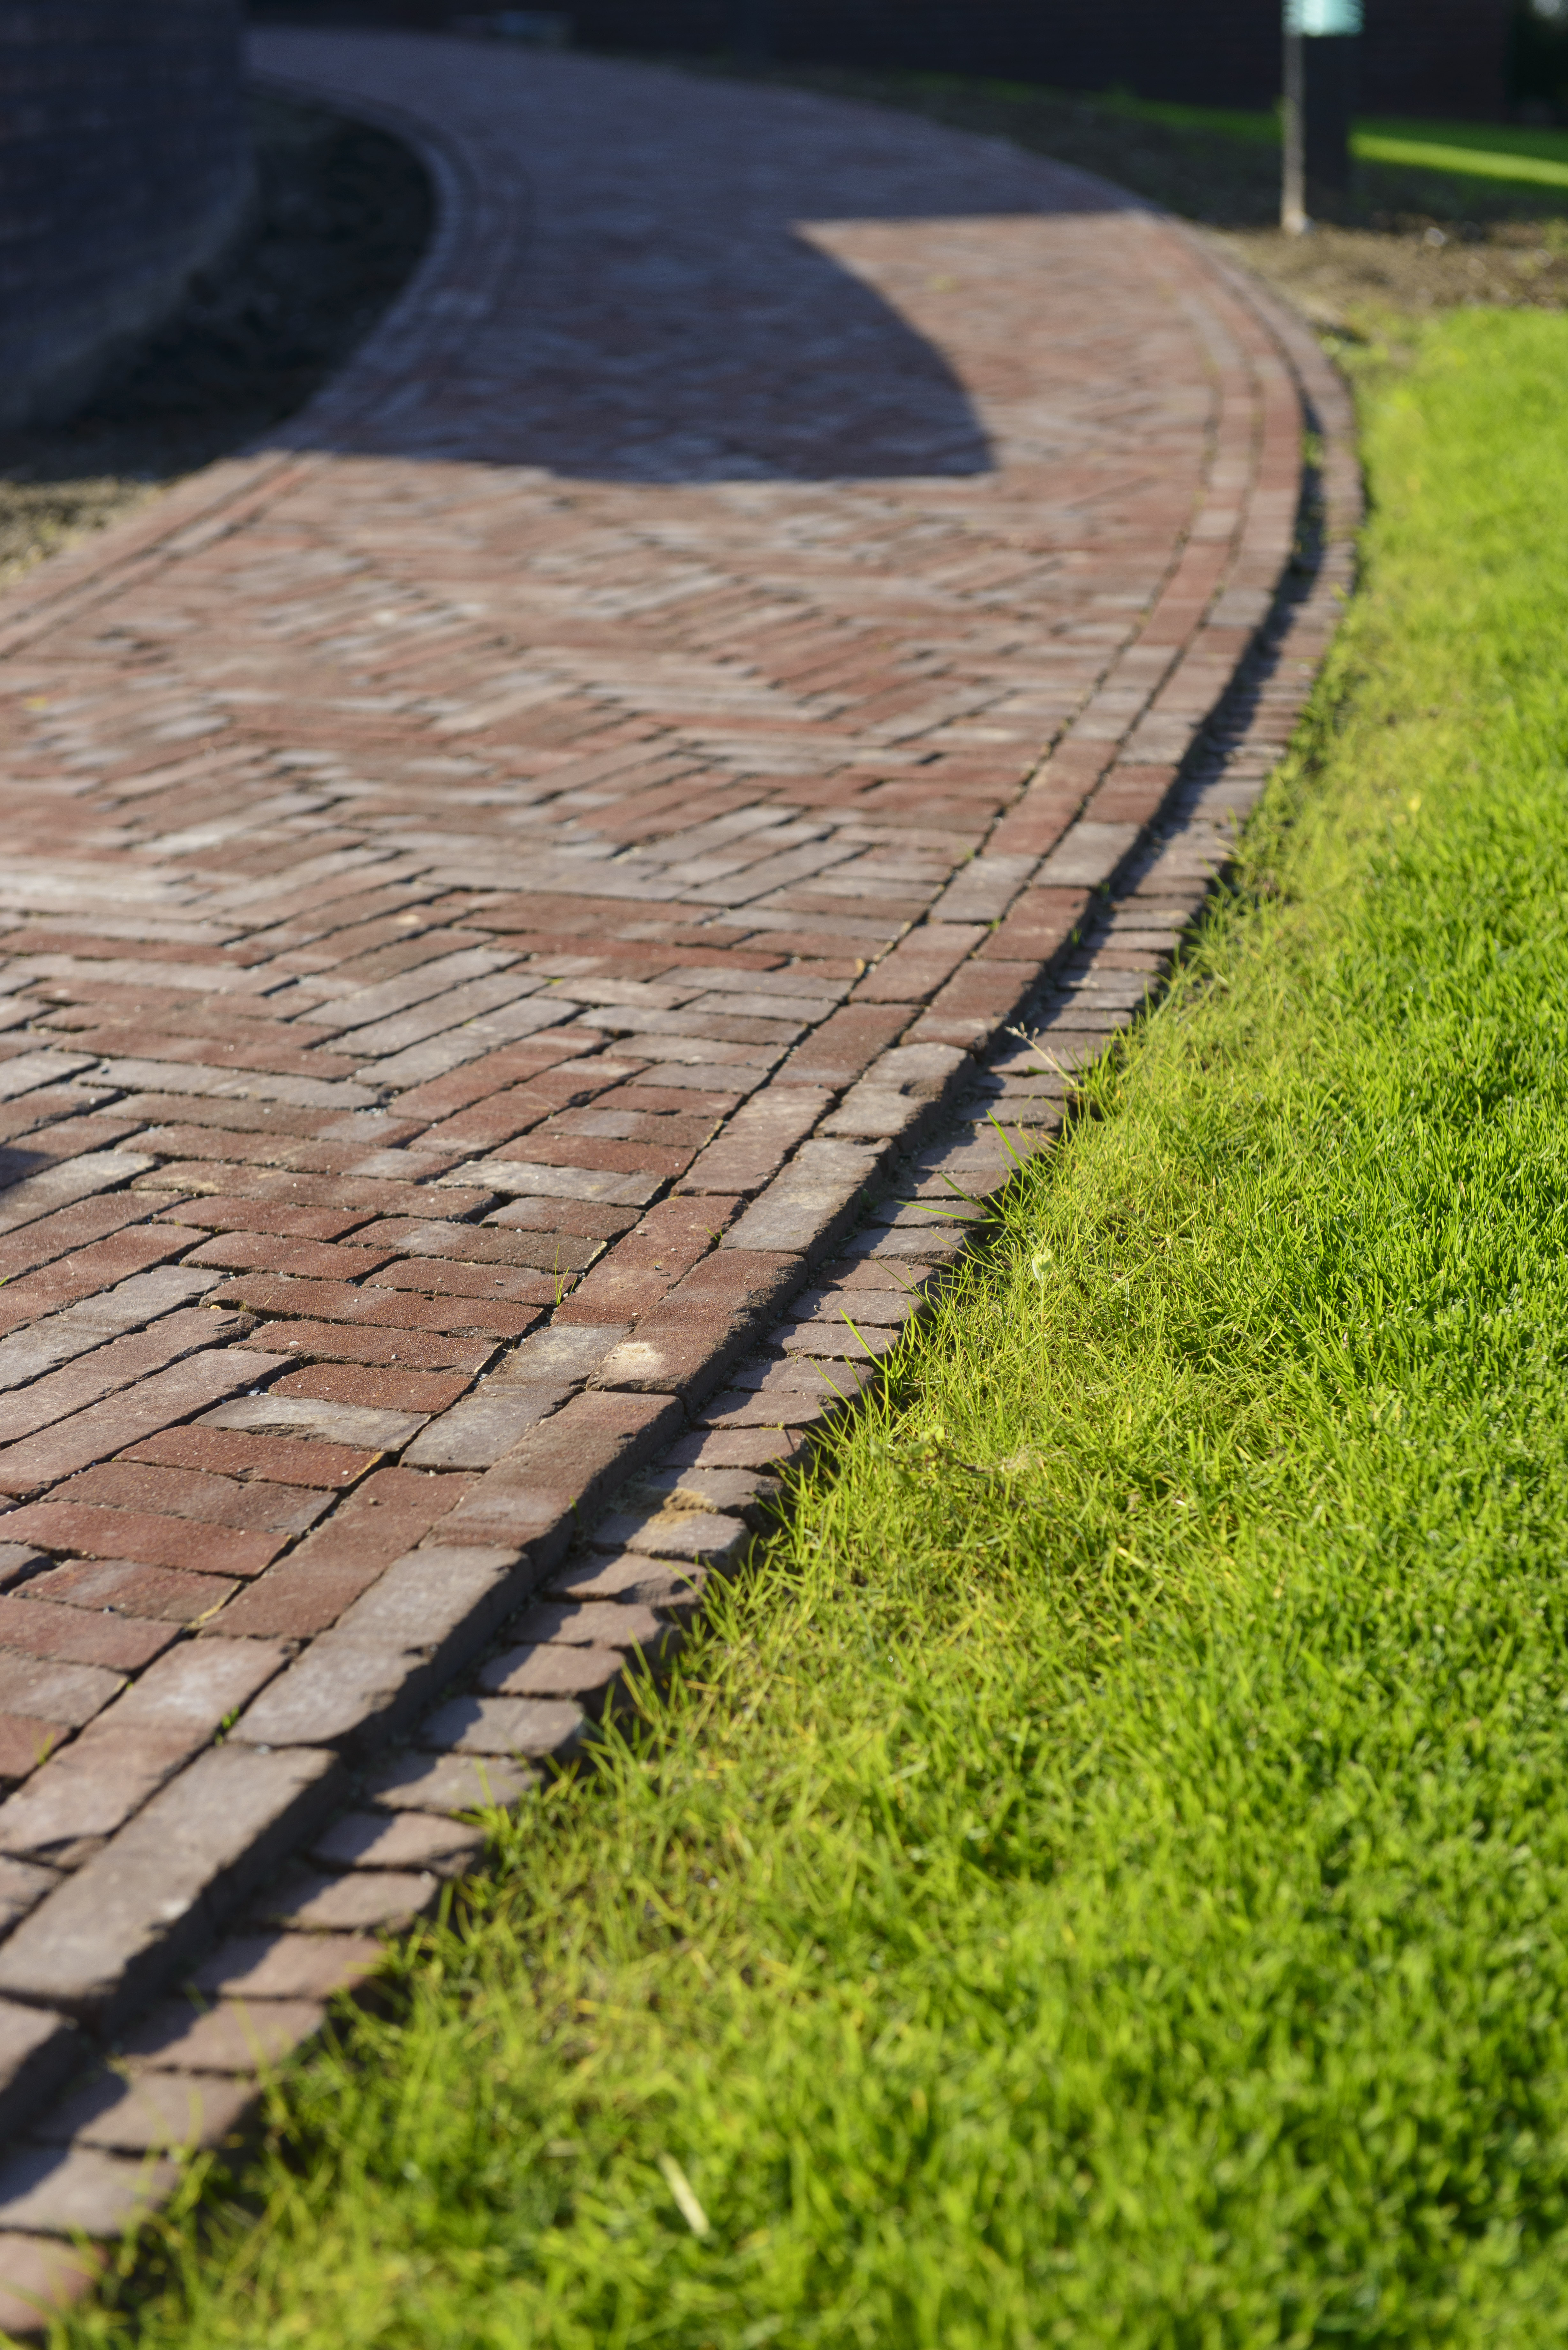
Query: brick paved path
column 500, row 887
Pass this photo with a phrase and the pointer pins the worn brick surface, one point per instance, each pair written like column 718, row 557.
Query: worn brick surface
column 22, row 1887
column 235, row 2035
column 407, row 1840
column 252, row 1457
column 518, row 881
column 40, row 2277
column 452, row 1784
column 78, row 1529
column 95, row 1946
column 109, row 1369
column 163, row 1594
column 690, row 1341
column 589, row 1677
column 286, row 1966
column 86, row 1792
column 594, row 1623
column 676, row 1534
column 536, row 1493
column 355, row 1427
column 106, row 1425
column 384, row 1389
column 41, row 1688
column 155, row 2113
column 383, row 1899
column 76, row 2189
column 516, row 1727
column 476, row 1432
column 308, row 1590
column 634, row 1580
column 40, row 1629
column 37, row 2049
column 388, row 1649
column 17, row 1562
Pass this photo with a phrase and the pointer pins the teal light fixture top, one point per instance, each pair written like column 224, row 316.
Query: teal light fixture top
column 1311, row 16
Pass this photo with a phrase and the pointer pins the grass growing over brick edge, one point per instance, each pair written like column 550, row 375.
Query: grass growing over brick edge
column 1103, row 1883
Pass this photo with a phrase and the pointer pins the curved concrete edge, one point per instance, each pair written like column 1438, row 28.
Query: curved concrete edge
column 1159, row 767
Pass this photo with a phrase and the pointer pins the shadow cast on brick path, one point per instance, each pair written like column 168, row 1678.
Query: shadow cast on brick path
column 743, row 317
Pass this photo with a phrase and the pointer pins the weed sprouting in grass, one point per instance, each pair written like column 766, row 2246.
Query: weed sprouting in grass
column 1103, row 1883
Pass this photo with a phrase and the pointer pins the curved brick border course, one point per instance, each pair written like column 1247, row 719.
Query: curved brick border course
column 520, row 901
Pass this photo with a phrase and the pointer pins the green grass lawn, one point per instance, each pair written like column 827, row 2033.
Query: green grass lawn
column 1220, row 166
column 1484, row 150
column 1106, row 1882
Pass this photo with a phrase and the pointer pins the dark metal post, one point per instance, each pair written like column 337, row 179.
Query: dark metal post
column 1323, row 41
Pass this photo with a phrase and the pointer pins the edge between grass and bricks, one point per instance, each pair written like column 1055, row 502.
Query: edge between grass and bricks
column 922, row 1254
column 88, row 2165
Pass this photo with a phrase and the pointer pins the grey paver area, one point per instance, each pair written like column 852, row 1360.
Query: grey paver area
column 525, row 900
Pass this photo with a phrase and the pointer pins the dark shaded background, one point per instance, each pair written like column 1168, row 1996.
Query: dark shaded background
column 1418, row 56
column 125, row 166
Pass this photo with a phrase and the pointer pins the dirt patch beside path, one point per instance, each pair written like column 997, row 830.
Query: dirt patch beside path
column 1347, row 277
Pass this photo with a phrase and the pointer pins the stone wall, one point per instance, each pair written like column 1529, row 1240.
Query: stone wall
column 1420, row 57
column 124, row 167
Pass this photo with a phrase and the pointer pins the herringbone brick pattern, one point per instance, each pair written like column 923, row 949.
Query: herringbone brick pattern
column 505, row 891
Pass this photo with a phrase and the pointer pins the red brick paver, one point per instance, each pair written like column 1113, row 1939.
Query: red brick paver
column 521, row 901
